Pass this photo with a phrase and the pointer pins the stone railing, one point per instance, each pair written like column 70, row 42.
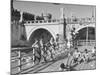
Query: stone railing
column 44, row 21
column 68, row 21
column 80, row 20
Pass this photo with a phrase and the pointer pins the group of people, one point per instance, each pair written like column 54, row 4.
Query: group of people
column 78, row 57
column 44, row 52
column 84, row 56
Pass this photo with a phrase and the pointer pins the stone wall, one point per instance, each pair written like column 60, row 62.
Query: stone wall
column 18, row 35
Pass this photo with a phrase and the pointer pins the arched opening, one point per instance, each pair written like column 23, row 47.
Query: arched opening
column 83, row 33
column 86, row 34
column 40, row 33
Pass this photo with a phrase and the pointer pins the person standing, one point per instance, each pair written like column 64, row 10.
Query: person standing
column 37, row 52
column 42, row 48
column 52, row 47
column 33, row 46
column 57, row 40
column 93, row 51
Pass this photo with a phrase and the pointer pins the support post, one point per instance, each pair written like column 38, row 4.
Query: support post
column 19, row 61
column 33, row 57
column 87, row 37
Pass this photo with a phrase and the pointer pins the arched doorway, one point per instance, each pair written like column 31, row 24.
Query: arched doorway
column 85, row 35
column 40, row 33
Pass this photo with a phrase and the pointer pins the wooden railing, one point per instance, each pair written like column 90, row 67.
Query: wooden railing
column 17, row 66
column 18, row 57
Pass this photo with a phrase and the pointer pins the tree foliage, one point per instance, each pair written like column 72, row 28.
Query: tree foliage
column 15, row 15
column 28, row 16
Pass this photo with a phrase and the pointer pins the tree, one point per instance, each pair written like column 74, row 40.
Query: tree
column 28, row 16
column 15, row 15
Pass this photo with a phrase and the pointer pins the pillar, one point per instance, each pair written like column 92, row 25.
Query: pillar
column 19, row 61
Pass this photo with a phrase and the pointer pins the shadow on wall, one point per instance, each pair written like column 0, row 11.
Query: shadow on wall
column 18, row 35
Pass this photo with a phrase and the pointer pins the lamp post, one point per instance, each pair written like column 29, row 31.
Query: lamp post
column 87, row 36
column 63, row 20
column 73, row 35
column 64, row 23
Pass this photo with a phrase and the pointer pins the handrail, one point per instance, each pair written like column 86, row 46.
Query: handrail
column 23, row 48
column 19, row 59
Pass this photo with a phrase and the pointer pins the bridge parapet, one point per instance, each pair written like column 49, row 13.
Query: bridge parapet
column 53, row 21
column 80, row 21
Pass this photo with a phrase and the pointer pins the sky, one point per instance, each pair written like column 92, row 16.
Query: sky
column 37, row 8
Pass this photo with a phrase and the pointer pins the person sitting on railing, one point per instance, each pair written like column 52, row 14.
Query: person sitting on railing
column 34, row 46
column 47, row 53
column 45, row 49
column 42, row 48
column 52, row 51
column 39, row 49
column 52, row 42
column 37, row 52
column 51, row 47
column 57, row 40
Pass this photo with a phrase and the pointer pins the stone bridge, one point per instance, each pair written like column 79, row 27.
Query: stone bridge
column 35, row 29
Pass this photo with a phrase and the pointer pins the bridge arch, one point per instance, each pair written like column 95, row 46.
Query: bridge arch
column 82, row 32
column 84, row 26
column 41, row 29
